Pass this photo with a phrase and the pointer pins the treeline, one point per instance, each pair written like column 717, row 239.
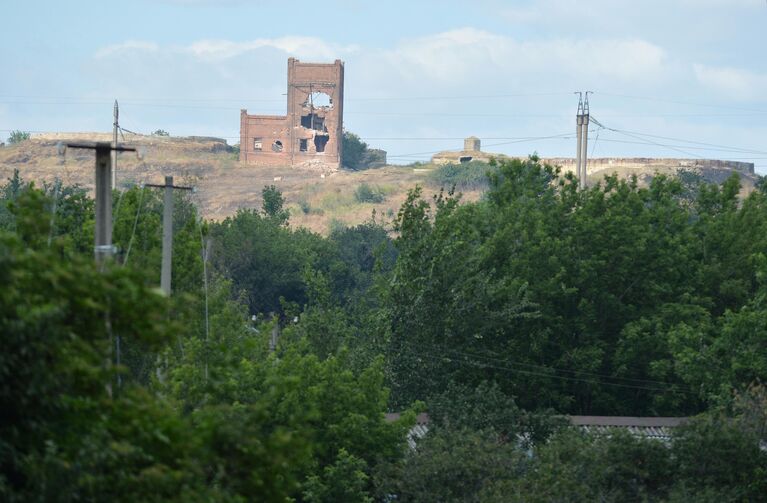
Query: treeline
column 267, row 374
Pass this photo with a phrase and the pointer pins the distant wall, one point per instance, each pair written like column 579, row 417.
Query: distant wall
column 649, row 164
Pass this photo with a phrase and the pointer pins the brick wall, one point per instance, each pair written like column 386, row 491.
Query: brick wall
column 310, row 133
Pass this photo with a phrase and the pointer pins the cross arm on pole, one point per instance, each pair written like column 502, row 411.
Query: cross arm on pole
column 100, row 145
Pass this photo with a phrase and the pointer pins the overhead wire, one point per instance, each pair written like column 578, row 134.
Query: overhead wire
column 669, row 387
column 551, row 368
column 653, row 142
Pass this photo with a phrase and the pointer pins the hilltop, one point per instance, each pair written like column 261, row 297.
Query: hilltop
column 315, row 200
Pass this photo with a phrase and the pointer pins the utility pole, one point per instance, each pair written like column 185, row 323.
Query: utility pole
column 579, row 135
column 167, row 232
column 582, row 133
column 585, row 129
column 116, row 126
column 103, row 249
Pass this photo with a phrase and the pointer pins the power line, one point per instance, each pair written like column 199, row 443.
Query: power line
column 550, row 368
column 681, row 102
column 481, row 364
column 635, row 136
column 520, row 140
column 696, row 142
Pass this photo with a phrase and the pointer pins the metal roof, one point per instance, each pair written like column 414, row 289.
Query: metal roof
column 659, row 428
column 646, row 427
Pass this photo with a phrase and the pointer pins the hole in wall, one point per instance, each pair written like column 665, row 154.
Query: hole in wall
column 318, row 99
column 320, row 141
column 277, row 146
column 464, row 158
column 313, row 121
column 303, row 145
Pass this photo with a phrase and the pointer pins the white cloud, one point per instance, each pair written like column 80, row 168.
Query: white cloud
column 732, row 82
column 472, row 54
column 306, row 47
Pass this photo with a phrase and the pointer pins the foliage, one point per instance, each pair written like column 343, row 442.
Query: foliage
column 538, row 300
column 18, row 136
column 614, row 300
column 160, row 132
column 368, row 194
column 487, row 408
column 472, row 175
column 273, row 203
column 353, row 151
column 450, row 465
column 61, row 431
column 477, row 465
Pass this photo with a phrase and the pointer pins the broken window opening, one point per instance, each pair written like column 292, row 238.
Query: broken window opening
column 277, row 146
column 257, row 144
column 320, row 141
column 464, row 158
column 303, row 145
column 318, row 99
column 313, row 121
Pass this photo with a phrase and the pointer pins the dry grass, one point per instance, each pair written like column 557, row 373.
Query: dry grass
column 224, row 184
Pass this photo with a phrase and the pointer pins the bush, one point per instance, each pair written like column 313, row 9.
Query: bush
column 472, row 175
column 18, row 137
column 353, row 151
column 367, row 194
column 160, row 132
column 307, row 209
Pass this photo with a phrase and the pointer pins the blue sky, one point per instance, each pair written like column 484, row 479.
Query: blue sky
column 420, row 75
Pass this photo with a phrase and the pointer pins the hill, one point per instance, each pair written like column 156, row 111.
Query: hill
column 316, row 201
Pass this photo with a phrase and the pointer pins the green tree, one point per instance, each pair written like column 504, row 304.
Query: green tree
column 273, row 204
column 451, row 465
column 353, row 151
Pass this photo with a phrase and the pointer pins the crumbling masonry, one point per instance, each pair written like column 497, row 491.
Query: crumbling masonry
column 310, row 134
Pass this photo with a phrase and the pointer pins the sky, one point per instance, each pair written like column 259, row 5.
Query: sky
column 670, row 78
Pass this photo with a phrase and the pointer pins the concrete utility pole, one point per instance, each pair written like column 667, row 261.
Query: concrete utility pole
column 585, row 128
column 103, row 249
column 114, row 145
column 582, row 134
column 579, row 136
column 167, row 232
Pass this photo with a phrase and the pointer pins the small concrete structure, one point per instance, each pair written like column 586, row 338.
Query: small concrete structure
column 471, row 152
column 471, row 144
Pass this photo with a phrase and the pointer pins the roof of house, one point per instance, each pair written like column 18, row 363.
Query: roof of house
column 647, row 427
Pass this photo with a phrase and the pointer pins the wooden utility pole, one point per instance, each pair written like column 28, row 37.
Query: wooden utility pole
column 103, row 249
column 167, row 232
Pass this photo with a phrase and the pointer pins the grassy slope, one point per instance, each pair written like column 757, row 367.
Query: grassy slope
column 224, row 184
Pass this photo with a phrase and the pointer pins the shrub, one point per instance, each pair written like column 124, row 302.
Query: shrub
column 367, row 194
column 472, row 175
column 18, row 137
column 353, row 151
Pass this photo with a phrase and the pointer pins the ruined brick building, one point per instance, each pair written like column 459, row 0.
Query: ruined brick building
column 310, row 134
